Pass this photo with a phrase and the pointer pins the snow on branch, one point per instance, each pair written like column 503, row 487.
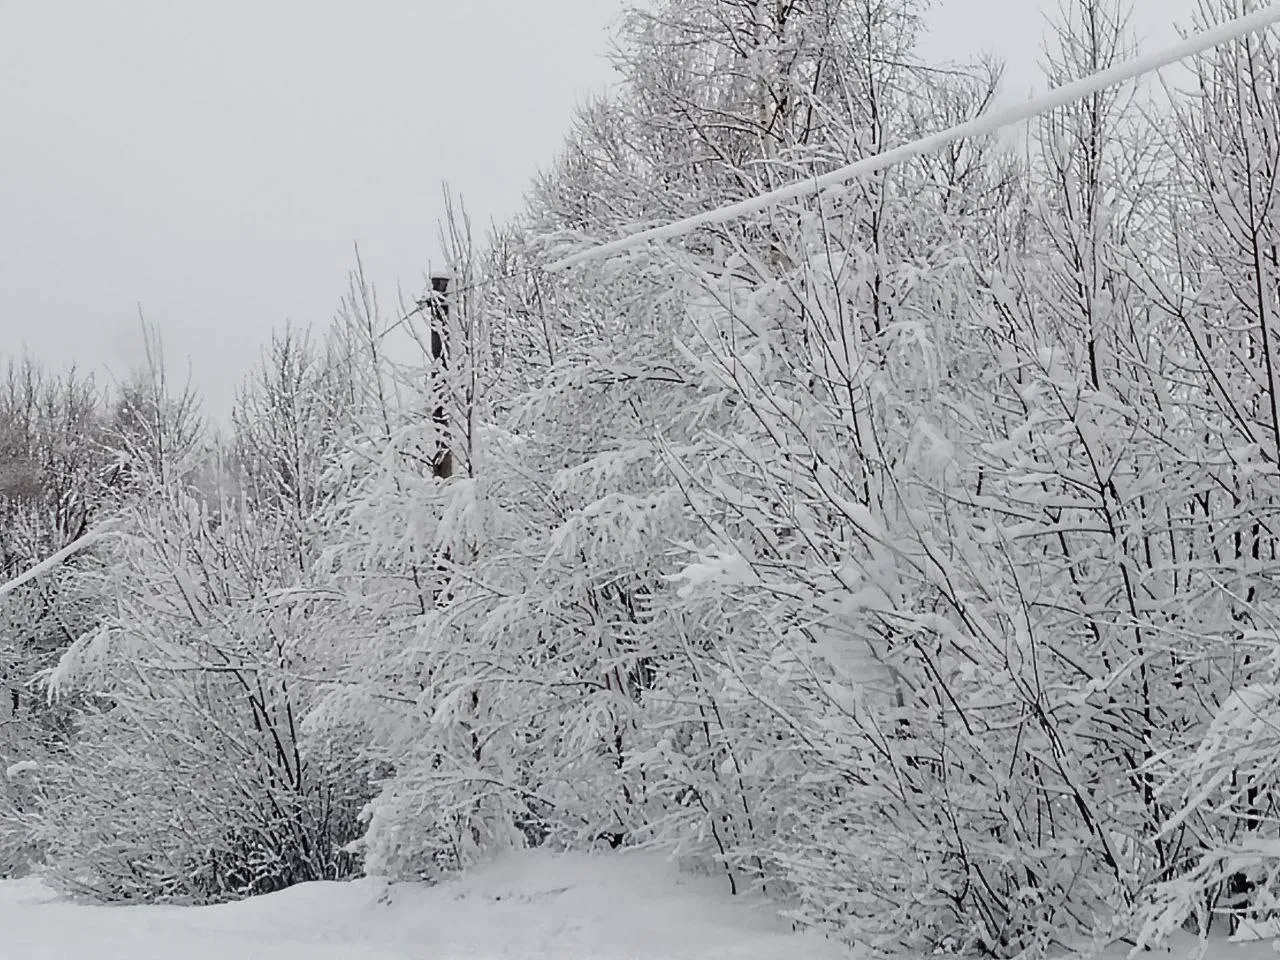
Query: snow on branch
column 983, row 125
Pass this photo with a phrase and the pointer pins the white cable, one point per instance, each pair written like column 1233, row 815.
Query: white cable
column 982, row 125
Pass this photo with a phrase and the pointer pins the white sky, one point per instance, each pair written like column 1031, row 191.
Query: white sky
column 214, row 163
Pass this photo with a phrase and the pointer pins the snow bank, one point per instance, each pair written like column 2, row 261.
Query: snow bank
column 530, row 905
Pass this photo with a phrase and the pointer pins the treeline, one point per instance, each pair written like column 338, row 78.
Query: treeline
column 905, row 553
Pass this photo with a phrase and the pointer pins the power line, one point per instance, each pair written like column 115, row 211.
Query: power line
column 56, row 559
column 982, row 125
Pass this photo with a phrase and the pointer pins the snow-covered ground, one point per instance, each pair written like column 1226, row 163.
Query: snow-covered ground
column 531, row 905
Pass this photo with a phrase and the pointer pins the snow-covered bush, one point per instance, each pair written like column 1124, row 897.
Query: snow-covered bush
column 192, row 778
column 53, row 479
column 190, row 775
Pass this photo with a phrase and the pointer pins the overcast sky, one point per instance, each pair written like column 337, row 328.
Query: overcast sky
column 213, row 163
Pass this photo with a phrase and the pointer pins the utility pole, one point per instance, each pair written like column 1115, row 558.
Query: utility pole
column 442, row 463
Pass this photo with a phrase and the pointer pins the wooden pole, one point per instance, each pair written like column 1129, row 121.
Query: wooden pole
column 442, row 464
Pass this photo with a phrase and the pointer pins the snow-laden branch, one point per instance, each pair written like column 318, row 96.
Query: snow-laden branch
column 50, row 562
column 983, row 125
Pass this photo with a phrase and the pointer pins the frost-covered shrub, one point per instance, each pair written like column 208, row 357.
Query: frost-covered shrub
column 163, row 817
column 193, row 779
